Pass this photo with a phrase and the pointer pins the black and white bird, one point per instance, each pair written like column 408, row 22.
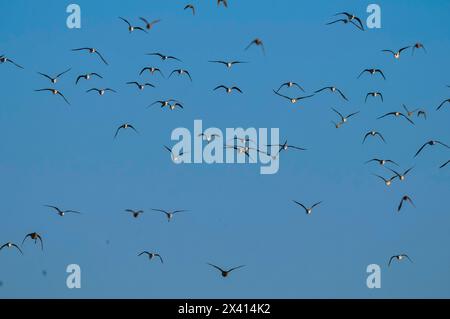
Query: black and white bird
column 387, row 181
column 442, row 104
column 332, row 89
column 351, row 17
column 149, row 25
column 404, row 199
column 373, row 134
column 228, row 64
column 151, row 255
column 134, row 213
column 175, row 157
column 11, row 245
column 396, row 54
column 88, row 76
column 34, row 236
column 382, row 162
column 124, row 127
column 4, row 59
column 130, row 27
column 430, row 143
column 181, row 72
column 372, row 72
column 164, row 57
column 92, row 51
column 101, row 91
column 344, row 21
column 228, row 89
column 55, row 78
column 344, row 118
column 293, row 100
column 151, row 70
column 169, row 214
column 190, row 6
column 401, row 176
column 308, row 210
column 416, row 46
column 224, row 2
column 61, row 212
column 257, row 42
column 208, row 137
column 163, row 103
column 141, row 86
column 285, row 146
column 396, row 114
column 289, row 85
column 225, row 273
column 374, row 94
column 399, row 258
column 409, row 112
column 54, row 92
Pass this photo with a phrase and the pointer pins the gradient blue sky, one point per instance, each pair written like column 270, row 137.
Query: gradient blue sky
column 66, row 156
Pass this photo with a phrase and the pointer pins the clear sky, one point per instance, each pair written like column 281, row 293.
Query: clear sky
column 66, row 156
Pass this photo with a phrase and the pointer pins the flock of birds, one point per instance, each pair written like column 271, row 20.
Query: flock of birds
column 172, row 104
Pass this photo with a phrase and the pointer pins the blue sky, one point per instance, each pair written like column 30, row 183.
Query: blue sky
column 66, row 156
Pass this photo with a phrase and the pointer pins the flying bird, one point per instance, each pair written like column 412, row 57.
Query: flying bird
column 61, row 212
column 181, row 72
column 169, row 214
column 125, row 126
column 54, row 79
column 174, row 157
column 344, row 21
column 92, row 51
column 4, row 59
column 430, row 143
column 440, row 105
column 418, row 45
column 163, row 103
column 134, row 213
column 402, row 177
column 344, row 118
column 87, row 76
column 396, row 54
column 289, row 85
column 228, row 89
column 223, row 272
column 292, row 99
column 405, row 198
column 387, row 181
column 333, row 89
column 409, row 112
column 382, row 162
column 130, row 27
column 228, row 64
column 374, row 94
column 257, row 42
column 372, row 72
column 399, row 258
column 11, row 245
column 208, row 137
column 373, row 134
column 285, row 146
column 190, row 6
column 164, row 57
column 152, row 255
column 54, row 92
column 308, row 210
column 396, row 114
column 141, row 86
column 35, row 237
column 445, row 164
column 224, row 2
column 422, row 113
column 351, row 18
column 149, row 25
column 152, row 70
column 101, row 91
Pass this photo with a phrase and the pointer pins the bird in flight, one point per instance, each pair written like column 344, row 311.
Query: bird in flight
column 387, row 181
column 35, row 237
column 396, row 54
column 175, row 157
column 164, row 57
column 332, row 89
column 445, row 164
column 163, row 103
column 130, row 27
column 190, row 6
column 223, row 272
column 54, row 79
column 410, row 113
column 405, row 198
column 401, row 177
column 382, row 162
column 344, row 118
column 289, row 85
column 149, row 25
column 11, row 245
column 125, row 126
column 399, row 258
column 224, row 2
column 228, row 64
column 61, row 212
column 308, row 210
column 374, row 94
column 92, row 51
column 169, row 214
column 396, row 114
column 351, row 18
column 152, row 70
column 54, row 92
column 344, row 21
column 373, row 134
column 257, row 42
column 422, row 113
column 134, row 213
column 152, row 255
column 208, row 137
column 293, row 99
column 87, row 76
column 285, row 146
column 101, row 91
column 4, row 59
column 181, row 72
column 430, row 143
column 440, row 105
column 418, row 45
column 372, row 72
column 141, row 86
column 228, row 89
